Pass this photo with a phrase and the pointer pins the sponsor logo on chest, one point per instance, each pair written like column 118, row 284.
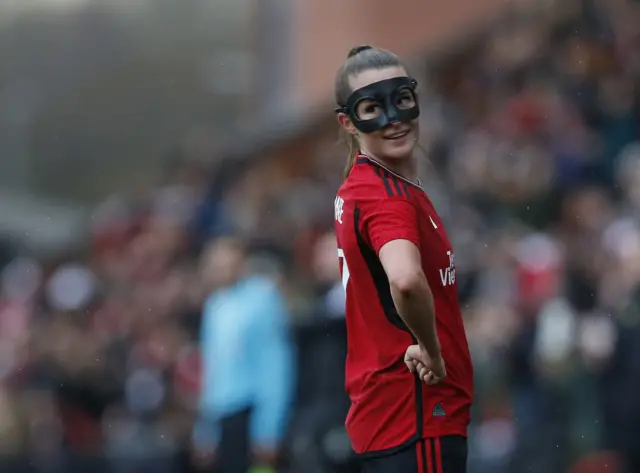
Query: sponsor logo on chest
column 448, row 274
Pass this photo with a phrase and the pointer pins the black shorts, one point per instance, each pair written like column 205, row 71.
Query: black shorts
column 434, row 455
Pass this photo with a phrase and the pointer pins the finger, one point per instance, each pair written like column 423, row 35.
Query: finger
column 431, row 378
column 427, row 376
column 434, row 380
column 414, row 365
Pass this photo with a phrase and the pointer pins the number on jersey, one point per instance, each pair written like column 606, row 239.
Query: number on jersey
column 344, row 268
column 338, row 205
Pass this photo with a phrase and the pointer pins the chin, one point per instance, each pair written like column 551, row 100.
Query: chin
column 400, row 150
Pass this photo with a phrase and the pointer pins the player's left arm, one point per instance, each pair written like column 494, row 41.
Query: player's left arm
column 393, row 231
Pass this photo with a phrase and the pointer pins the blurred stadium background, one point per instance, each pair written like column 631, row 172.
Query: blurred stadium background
column 134, row 132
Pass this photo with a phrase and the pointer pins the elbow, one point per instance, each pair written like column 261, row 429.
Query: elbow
column 407, row 284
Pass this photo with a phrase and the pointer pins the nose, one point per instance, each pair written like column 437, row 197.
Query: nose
column 392, row 116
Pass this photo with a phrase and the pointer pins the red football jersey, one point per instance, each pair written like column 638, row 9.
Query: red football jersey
column 391, row 407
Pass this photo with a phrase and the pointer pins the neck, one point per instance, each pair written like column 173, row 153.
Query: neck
column 230, row 282
column 405, row 167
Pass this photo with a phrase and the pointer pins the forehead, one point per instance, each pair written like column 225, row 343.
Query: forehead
column 369, row 76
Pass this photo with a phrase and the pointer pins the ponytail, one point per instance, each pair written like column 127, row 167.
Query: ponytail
column 354, row 147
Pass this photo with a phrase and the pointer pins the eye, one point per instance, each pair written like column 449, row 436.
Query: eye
column 368, row 109
column 405, row 99
column 371, row 108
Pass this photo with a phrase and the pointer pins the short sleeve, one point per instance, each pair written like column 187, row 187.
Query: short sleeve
column 391, row 219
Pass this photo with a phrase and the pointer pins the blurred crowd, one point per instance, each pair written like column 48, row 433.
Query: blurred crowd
column 533, row 145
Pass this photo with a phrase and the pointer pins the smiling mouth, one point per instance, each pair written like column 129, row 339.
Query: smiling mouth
column 397, row 136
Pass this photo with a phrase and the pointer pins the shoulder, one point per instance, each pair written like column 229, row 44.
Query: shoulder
column 371, row 184
column 211, row 303
column 267, row 301
column 258, row 283
column 262, row 288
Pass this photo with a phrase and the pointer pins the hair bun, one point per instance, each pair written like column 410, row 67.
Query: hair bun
column 358, row 49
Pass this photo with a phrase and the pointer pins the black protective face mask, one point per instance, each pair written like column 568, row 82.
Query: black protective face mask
column 389, row 95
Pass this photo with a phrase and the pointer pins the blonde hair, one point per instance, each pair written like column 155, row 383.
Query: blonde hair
column 353, row 147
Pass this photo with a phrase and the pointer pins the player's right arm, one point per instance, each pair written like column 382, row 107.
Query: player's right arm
column 392, row 228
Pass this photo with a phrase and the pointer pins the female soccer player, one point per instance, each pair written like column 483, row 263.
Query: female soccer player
column 399, row 273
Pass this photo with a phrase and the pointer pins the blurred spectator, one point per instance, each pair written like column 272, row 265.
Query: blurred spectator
column 248, row 375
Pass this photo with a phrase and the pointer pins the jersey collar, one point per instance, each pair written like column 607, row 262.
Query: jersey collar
column 362, row 158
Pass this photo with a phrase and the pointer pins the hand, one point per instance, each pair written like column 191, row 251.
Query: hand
column 266, row 457
column 430, row 370
column 202, row 458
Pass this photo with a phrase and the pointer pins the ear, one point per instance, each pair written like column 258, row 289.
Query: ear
column 346, row 123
